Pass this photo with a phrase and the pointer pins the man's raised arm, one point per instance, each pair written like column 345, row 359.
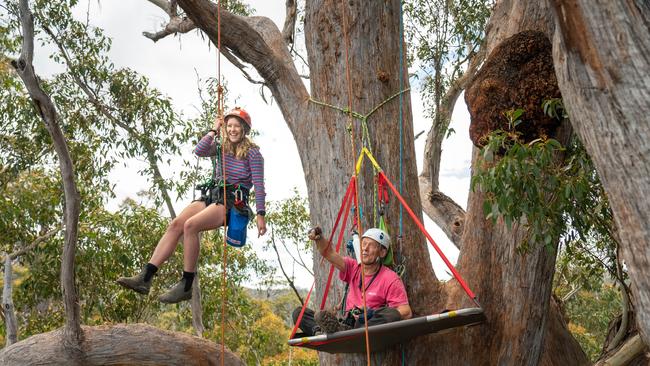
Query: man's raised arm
column 326, row 249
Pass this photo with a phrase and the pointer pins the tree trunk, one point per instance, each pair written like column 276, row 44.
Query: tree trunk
column 45, row 108
column 121, row 344
column 11, row 326
column 602, row 58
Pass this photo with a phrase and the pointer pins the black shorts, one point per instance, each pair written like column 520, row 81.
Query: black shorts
column 214, row 195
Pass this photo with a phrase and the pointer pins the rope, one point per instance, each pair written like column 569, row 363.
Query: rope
column 401, row 103
column 366, row 153
column 453, row 270
column 348, row 201
column 356, row 195
column 360, row 116
column 224, row 261
column 345, row 203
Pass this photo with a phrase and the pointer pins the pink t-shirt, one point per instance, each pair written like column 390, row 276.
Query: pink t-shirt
column 386, row 289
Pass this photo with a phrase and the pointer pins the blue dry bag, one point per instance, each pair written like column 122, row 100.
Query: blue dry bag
column 237, row 223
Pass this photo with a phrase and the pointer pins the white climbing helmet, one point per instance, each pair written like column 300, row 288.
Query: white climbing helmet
column 379, row 236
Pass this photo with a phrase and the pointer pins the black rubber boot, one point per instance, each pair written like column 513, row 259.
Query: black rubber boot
column 137, row 283
column 176, row 293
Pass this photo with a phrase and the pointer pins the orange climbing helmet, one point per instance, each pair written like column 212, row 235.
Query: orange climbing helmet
column 242, row 115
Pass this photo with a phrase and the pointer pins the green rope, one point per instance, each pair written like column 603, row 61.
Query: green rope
column 365, row 136
column 357, row 115
column 344, row 110
column 387, row 100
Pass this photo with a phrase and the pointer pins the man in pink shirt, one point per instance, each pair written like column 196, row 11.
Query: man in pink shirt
column 386, row 298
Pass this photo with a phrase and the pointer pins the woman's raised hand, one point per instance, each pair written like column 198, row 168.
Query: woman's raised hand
column 218, row 122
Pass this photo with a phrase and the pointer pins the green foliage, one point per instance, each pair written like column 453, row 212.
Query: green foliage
column 590, row 313
column 591, row 300
column 442, row 37
column 530, row 184
column 289, row 220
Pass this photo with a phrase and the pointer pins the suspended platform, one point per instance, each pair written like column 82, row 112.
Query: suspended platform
column 385, row 335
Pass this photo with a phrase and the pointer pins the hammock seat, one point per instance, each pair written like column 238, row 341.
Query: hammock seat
column 385, row 335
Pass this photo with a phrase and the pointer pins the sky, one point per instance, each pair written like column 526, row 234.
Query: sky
column 173, row 64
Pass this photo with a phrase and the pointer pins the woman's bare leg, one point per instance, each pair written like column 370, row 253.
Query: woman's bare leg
column 169, row 240
column 212, row 217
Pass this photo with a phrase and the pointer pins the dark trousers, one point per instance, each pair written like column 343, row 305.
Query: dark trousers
column 380, row 316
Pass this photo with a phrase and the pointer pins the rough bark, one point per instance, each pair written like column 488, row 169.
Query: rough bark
column 326, row 151
column 11, row 326
column 121, row 344
column 71, row 332
column 602, row 58
column 515, row 288
column 557, row 338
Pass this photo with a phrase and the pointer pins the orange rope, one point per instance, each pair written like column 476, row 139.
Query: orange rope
column 224, row 288
column 356, row 191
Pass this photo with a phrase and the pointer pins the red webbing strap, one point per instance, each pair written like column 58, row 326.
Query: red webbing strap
column 345, row 200
column 302, row 311
column 435, row 246
column 338, row 217
column 382, row 191
column 338, row 242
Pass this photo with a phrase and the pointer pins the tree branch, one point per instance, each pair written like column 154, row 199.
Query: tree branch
column 197, row 308
column 183, row 25
column 625, row 311
column 257, row 41
column 72, row 335
column 11, row 326
column 34, row 244
column 573, row 291
column 158, row 179
column 134, row 344
column 632, row 348
column 289, row 30
column 433, row 146
column 448, row 215
column 289, row 279
column 176, row 25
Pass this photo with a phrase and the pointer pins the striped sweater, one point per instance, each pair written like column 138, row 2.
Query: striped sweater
column 248, row 172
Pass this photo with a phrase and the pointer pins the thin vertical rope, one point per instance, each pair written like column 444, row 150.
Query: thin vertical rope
column 401, row 138
column 224, row 261
column 356, row 193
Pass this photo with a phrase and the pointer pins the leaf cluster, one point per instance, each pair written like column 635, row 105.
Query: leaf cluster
column 443, row 36
column 551, row 189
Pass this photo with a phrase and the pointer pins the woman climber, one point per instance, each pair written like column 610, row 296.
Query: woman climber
column 244, row 170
